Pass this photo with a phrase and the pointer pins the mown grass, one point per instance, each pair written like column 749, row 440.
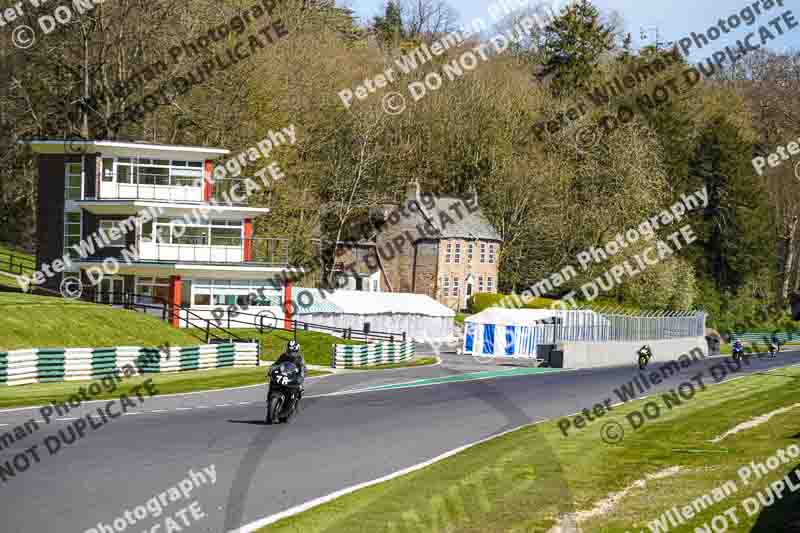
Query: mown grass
column 172, row 383
column 316, row 347
column 525, row 481
column 30, row 321
column 422, row 361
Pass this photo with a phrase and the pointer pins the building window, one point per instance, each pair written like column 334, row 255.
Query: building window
column 152, row 290
column 72, row 182
column 489, row 284
column 72, row 233
column 131, row 170
column 458, row 253
column 235, row 292
column 107, row 226
column 483, row 252
column 449, row 252
column 480, row 283
column 214, row 232
column 470, row 252
column 374, row 285
column 491, row 253
column 455, row 286
column 447, row 286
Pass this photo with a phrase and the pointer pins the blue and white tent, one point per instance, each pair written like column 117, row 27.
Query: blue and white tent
column 501, row 332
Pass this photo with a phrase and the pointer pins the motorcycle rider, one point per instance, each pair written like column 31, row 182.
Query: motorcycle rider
column 292, row 354
column 737, row 346
column 777, row 343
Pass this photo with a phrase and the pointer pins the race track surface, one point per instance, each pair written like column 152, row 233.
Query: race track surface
column 337, row 441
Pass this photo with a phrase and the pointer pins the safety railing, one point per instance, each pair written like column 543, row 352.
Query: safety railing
column 228, row 191
column 16, row 264
column 258, row 250
column 167, row 310
column 230, row 319
column 619, row 325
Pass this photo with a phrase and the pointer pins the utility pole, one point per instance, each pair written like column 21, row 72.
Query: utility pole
column 644, row 35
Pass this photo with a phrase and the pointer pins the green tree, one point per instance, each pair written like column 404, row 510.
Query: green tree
column 735, row 234
column 574, row 43
column 389, row 27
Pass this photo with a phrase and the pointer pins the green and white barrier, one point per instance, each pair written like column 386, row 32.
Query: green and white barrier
column 377, row 353
column 48, row 365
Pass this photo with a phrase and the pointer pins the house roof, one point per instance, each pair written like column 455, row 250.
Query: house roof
column 529, row 317
column 122, row 148
column 350, row 302
column 454, row 220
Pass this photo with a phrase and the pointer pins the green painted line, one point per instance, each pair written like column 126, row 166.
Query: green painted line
column 689, row 450
column 474, row 376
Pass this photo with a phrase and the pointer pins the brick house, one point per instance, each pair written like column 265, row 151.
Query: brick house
column 440, row 246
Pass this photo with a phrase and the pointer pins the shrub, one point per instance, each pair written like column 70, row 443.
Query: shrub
column 485, row 300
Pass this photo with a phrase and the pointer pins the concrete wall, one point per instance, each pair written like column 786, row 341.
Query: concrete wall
column 597, row 354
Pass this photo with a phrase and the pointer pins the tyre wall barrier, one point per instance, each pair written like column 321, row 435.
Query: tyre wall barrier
column 50, row 365
column 376, row 353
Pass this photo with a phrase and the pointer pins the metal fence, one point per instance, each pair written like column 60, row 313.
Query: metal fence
column 619, row 325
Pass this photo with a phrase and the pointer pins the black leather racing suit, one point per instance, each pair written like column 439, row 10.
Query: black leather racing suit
column 297, row 359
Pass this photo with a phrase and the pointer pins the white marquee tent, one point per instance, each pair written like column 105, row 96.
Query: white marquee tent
column 501, row 332
column 420, row 316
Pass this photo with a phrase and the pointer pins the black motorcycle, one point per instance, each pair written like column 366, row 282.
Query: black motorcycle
column 285, row 392
column 645, row 354
column 738, row 351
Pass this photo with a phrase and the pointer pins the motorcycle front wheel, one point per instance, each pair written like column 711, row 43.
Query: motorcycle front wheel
column 273, row 408
column 292, row 411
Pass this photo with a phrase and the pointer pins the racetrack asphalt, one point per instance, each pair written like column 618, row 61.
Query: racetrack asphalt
column 335, row 442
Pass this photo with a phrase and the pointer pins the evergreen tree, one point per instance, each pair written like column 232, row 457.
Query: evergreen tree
column 735, row 234
column 389, row 27
column 574, row 43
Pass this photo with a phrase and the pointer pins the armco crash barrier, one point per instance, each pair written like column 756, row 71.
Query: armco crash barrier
column 377, row 353
column 49, row 365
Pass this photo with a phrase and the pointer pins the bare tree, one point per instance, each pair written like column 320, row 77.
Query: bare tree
column 428, row 19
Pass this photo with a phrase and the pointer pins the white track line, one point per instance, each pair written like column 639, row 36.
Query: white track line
column 258, row 524
column 168, row 395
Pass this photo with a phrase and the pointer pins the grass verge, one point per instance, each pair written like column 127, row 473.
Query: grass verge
column 316, row 347
column 422, row 361
column 30, row 321
column 172, row 383
column 523, row 481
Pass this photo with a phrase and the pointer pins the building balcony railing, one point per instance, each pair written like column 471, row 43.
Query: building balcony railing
column 173, row 189
column 260, row 251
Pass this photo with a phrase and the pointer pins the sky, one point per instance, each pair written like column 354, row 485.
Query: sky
column 675, row 19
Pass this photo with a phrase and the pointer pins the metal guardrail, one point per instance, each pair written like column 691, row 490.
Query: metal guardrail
column 172, row 188
column 267, row 251
column 618, row 325
column 208, row 326
column 16, row 264
column 784, row 337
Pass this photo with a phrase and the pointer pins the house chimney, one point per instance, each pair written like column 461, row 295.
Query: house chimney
column 413, row 190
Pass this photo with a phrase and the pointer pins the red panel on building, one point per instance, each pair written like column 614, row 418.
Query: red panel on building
column 248, row 239
column 175, row 300
column 208, row 185
column 287, row 305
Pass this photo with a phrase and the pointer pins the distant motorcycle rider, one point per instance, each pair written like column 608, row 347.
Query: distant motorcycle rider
column 776, row 343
